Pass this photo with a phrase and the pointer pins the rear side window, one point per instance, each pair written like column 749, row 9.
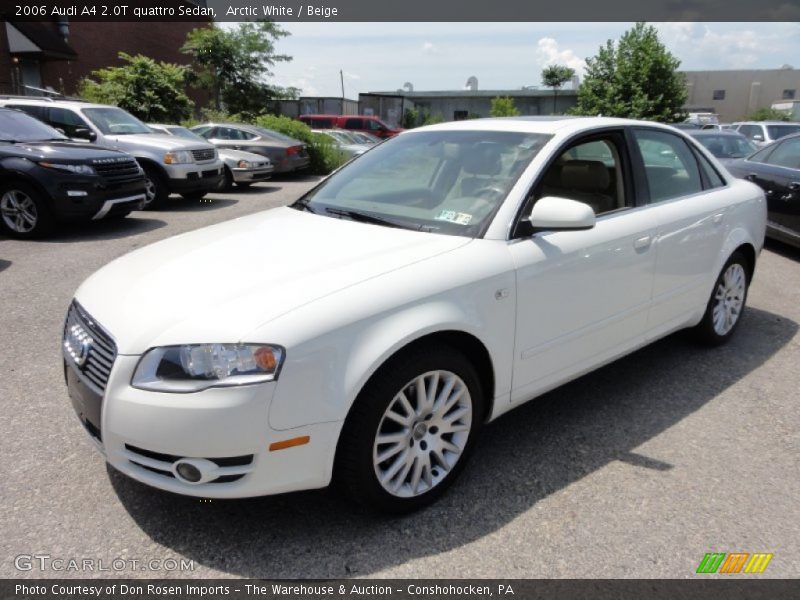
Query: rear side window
column 670, row 165
column 714, row 179
column 37, row 112
column 786, row 154
column 353, row 124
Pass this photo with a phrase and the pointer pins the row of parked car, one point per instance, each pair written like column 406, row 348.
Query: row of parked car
column 69, row 160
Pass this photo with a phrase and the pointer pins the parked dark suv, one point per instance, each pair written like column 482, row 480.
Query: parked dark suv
column 45, row 179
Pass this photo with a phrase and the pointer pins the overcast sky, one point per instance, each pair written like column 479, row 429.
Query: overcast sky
column 442, row 56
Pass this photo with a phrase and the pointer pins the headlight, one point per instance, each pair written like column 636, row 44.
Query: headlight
column 196, row 367
column 77, row 169
column 243, row 164
column 178, row 157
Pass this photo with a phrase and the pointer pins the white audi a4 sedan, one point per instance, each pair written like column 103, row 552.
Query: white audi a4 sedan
column 367, row 332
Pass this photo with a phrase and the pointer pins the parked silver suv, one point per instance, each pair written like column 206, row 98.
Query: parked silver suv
column 762, row 133
column 171, row 164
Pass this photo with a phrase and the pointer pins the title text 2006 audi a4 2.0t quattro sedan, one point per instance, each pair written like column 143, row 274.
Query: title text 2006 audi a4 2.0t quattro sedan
column 367, row 332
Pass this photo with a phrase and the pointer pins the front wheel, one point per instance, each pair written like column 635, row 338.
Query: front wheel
column 726, row 305
column 24, row 214
column 156, row 190
column 411, row 430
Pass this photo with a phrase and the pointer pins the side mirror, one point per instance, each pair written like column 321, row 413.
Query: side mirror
column 84, row 133
column 557, row 214
column 758, row 137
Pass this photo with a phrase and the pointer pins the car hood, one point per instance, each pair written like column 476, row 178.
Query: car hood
column 219, row 283
column 54, row 150
column 154, row 141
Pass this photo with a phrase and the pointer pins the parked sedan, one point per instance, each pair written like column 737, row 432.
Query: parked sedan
column 348, row 147
column 45, row 179
column 776, row 169
column 241, row 168
column 727, row 146
column 367, row 332
column 286, row 154
column 362, row 137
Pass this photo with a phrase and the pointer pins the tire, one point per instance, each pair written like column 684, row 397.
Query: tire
column 726, row 305
column 226, row 183
column 24, row 214
column 429, row 457
column 194, row 195
column 156, row 189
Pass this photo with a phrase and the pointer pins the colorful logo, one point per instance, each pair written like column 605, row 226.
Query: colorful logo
column 735, row 562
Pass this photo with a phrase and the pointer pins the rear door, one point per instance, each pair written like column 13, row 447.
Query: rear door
column 779, row 175
column 688, row 199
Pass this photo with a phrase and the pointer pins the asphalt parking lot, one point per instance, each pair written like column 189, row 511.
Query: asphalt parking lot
column 636, row 470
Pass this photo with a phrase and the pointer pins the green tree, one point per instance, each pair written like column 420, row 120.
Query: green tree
column 232, row 64
column 152, row 91
column 554, row 77
column 768, row 114
column 410, row 118
column 636, row 78
column 503, row 107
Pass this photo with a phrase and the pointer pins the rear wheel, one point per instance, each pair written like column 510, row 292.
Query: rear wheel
column 226, row 183
column 727, row 302
column 23, row 212
column 411, row 430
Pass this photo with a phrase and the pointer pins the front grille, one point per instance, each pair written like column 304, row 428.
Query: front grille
column 201, row 155
column 231, row 468
column 118, row 171
column 88, row 346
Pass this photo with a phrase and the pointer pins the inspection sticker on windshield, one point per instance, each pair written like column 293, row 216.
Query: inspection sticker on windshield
column 454, row 217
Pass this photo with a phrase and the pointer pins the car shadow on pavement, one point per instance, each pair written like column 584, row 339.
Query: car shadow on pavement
column 783, row 249
column 180, row 204
column 106, row 229
column 254, row 189
column 4, row 264
column 521, row 459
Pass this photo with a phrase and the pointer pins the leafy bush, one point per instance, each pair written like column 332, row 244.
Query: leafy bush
column 325, row 157
column 768, row 114
column 152, row 91
column 431, row 119
column 503, row 107
column 410, row 118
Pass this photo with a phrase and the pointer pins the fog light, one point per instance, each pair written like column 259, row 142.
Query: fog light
column 76, row 193
column 189, row 472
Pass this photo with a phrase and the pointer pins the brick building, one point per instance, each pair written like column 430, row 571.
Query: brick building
column 55, row 56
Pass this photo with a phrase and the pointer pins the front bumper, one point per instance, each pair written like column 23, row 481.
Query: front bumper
column 194, row 177
column 145, row 434
column 81, row 199
column 251, row 175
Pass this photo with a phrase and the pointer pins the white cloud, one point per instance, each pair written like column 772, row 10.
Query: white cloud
column 548, row 53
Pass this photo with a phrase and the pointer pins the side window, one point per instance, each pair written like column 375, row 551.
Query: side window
column 353, row 124
column 373, row 125
column 786, row 154
column 761, row 155
column 225, row 133
column 204, row 131
column 670, row 165
column 589, row 172
column 714, row 179
column 37, row 112
column 66, row 120
column 751, row 131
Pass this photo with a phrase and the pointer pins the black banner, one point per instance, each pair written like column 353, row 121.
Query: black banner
column 431, row 589
column 407, row 10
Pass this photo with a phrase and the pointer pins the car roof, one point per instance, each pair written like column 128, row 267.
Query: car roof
column 565, row 125
column 766, row 123
column 61, row 103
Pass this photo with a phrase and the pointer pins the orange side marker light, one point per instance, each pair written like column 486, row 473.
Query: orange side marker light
column 290, row 443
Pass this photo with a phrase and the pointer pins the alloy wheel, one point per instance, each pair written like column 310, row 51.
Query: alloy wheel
column 422, row 434
column 19, row 211
column 729, row 299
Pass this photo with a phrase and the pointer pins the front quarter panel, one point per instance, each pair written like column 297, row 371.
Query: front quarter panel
column 336, row 344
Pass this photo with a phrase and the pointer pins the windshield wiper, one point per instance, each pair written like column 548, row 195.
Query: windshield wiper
column 363, row 217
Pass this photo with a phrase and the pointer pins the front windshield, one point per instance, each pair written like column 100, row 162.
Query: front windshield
column 778, row 131
column 115, row 121
column 727, row 146
column 18, row 127
column 449, row 182
column 182, row 132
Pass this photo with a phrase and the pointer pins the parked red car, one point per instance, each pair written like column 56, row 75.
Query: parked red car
column 364, row 123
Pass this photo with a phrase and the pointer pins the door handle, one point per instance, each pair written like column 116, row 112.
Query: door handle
column 642, row 243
